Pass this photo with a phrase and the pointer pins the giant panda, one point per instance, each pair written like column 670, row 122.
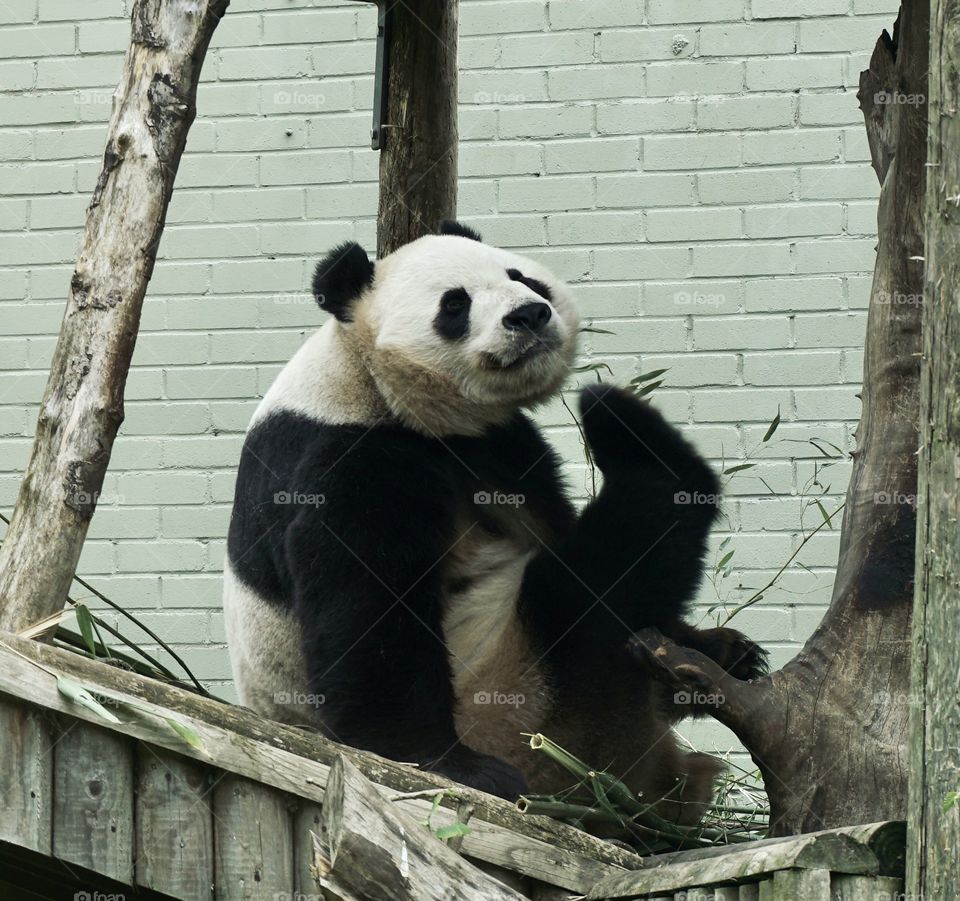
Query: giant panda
column 405, row 571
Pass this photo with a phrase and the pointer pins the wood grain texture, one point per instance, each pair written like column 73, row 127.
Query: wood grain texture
column 934, row 817
column 174, row 824
column 827, row 851
column 253, row 841
column 82, row 407
column 381, row 853
column 418, row 162
column 93, row 784
column 26, row 776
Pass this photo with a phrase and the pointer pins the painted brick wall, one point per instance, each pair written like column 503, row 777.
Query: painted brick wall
column 698, row 169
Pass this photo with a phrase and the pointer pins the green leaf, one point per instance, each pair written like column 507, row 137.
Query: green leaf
column 437, row 798
column 738, row 468
column 725, row 542
column 647, row 376
column 725, row 560
column 452, row 831
column 596, row 331
column 85, row 622
column 949, row 800
column 648, row 389
column 826, row 516
column 772, row 427
column 187, row 733
column 80, row 695
column 592, row 367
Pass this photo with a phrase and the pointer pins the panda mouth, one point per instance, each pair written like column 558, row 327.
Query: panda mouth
column 498, row 364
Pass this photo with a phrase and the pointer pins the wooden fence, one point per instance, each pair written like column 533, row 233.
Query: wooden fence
column 143, row 790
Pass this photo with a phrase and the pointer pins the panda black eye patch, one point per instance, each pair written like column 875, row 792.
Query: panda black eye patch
column 453, row 319
column 534, row 284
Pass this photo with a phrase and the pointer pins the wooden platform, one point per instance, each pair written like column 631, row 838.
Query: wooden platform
column 231, row 807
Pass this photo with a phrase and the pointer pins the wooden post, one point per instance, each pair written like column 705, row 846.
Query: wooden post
column 933, row 832
column 82, row 407
column 418, row 162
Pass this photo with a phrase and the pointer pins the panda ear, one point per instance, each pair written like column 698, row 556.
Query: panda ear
column 341, row 277
column 450, row 227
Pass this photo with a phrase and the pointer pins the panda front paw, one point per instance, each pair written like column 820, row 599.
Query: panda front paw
column 739, row 655
column 628, row 435
column 482, row 772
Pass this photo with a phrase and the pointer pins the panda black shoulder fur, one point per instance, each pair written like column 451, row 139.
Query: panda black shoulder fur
column 405, row 571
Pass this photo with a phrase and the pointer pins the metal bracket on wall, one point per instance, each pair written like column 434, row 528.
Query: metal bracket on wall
column 380, row 73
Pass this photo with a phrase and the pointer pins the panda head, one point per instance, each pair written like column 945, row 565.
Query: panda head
column 456, row 334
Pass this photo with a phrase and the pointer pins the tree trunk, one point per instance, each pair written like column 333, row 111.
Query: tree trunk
column 829, row 731
column 418, row 162
column 82, row 407
column 934, row 816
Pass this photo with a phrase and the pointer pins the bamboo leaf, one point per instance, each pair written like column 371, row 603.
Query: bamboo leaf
column 85, row 622
column 726, row 559
column 592, row 367
column 647, row 376
column 596, row 331
column 738, row 468
column 772, row 427
column 826, row 516
column 649, row 388
column 80, row 695
column 950, row 800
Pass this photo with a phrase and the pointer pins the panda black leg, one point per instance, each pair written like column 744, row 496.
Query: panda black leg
column 737, row 654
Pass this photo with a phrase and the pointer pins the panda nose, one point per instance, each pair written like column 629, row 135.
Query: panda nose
column 530, row 316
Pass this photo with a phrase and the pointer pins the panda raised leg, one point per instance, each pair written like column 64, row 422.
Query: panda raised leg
column 635, row 557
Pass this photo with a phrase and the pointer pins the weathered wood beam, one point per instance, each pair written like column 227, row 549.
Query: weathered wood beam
column 821, row 852
column 297, row 761
column 82, row 407
column 376, row 850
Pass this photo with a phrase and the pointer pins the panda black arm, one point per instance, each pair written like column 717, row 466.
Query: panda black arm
column 635, row 556
column 365, row 569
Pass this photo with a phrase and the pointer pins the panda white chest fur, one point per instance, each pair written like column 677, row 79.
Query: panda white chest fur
column 405, row 571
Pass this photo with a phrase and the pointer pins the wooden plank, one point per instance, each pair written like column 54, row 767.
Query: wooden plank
column 865, row 888
column 174, row 824
column 376, row 850
column 888, row 840
column 829, row 851
column 93, row 800
column 253, row 841
column 307, row 819
column 296, row 761
column 808, row 885
column 26, row 776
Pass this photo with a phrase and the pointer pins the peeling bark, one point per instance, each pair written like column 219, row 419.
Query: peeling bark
column 829, row 731
column 82, row 407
